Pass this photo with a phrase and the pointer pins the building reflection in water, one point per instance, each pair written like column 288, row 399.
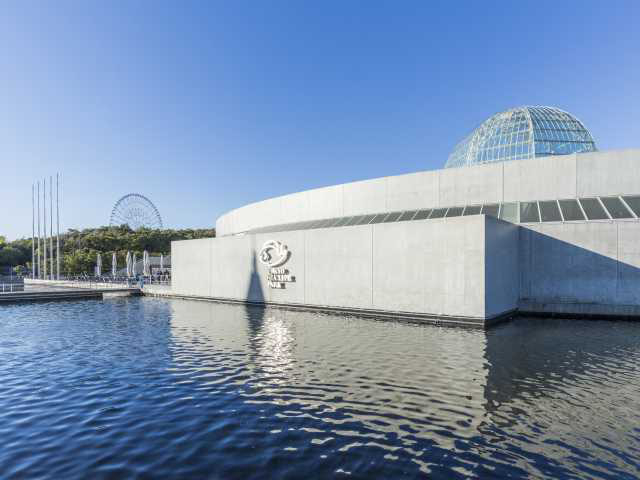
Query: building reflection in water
column 362, row 379
column 271, row 351
column 534, row 388
column 565, row 384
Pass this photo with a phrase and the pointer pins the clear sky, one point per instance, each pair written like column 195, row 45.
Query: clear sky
column 206, row 106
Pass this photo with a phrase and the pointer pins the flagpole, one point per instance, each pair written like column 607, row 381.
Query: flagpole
column 57, row 228
column 33, row 232
column 39, row 248
column 44, row 224
column 51, row 276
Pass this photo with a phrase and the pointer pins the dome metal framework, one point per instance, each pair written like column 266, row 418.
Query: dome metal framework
column 522, row 133
column 137, row 211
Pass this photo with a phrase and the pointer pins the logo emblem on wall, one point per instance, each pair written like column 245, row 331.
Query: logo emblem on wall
column 274, row 253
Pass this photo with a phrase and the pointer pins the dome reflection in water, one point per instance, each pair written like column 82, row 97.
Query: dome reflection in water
column 195, row 389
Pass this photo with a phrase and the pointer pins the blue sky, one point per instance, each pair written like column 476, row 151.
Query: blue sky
column 206, row 106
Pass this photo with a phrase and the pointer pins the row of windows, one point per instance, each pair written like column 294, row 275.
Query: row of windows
column 508, row 139
column 510, row 128
column 600, row 208
column 562, row 147
column 556, row 125
column 558, row 135
column 568, row 210
column 506, row 151
column 566, row 125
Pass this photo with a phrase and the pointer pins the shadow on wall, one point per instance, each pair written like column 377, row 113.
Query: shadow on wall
column 255, row 292
column 557, row 271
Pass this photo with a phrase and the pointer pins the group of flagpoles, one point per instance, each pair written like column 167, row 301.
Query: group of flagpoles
column 39, row 256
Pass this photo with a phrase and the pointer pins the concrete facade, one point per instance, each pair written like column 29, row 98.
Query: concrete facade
column 546, row 178
column 468, row 268
column 581, row 268
column 371, row 268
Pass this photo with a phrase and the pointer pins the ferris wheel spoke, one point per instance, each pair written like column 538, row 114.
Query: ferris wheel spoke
column 136, row 211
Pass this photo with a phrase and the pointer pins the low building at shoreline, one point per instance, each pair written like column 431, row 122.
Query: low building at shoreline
column 526, row 216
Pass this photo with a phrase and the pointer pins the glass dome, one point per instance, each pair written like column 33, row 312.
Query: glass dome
column 522, row 133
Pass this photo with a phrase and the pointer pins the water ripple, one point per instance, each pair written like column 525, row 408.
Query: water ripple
column 138, row 388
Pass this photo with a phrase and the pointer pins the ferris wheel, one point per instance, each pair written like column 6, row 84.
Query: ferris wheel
column 137, row 211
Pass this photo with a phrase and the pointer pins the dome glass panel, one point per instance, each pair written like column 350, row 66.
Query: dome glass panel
column 520, row 134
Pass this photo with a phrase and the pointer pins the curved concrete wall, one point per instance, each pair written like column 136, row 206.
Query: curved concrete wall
column 547, row 178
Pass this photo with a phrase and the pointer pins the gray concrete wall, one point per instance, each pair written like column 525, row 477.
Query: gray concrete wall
column 596, row 264
column 474, row 267
column 608, row 173
column 502, row 269
column 194, row 267
column 339, row 267
column 547, row 178
column 432, row 267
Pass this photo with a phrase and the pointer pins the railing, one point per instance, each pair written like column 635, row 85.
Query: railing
column 11, row 287
column 108, row 281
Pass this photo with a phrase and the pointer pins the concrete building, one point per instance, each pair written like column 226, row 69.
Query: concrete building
column 532, row 218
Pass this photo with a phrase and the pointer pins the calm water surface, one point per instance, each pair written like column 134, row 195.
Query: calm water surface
column 140, row 388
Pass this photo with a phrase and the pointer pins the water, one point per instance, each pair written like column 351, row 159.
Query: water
column 141, row 388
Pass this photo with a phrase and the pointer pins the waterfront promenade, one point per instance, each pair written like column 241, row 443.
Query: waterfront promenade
column 52, row 290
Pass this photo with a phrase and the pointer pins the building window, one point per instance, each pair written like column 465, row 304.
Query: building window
column 615, row 207
column 365, row 219
column 549, row 211
column 378, row 218
column 509, row 212
column 634, row 203
column 571, row 210
column 593, row 209
column 392, row 217
column 355, row 220
column 422, row 214
column 327, row 222
column 407, row 215
column 491, row 209
column 529, row 212
column 472, row 210
column 455, row 212
column 438, row 213
column 343, row 221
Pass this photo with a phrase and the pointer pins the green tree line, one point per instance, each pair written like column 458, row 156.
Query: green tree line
column 79, row 248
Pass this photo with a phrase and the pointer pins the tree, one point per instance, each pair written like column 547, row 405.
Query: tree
column 11, row 257
column 79, row 248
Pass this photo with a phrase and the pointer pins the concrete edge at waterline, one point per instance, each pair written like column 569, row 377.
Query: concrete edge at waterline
column 470, row 322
